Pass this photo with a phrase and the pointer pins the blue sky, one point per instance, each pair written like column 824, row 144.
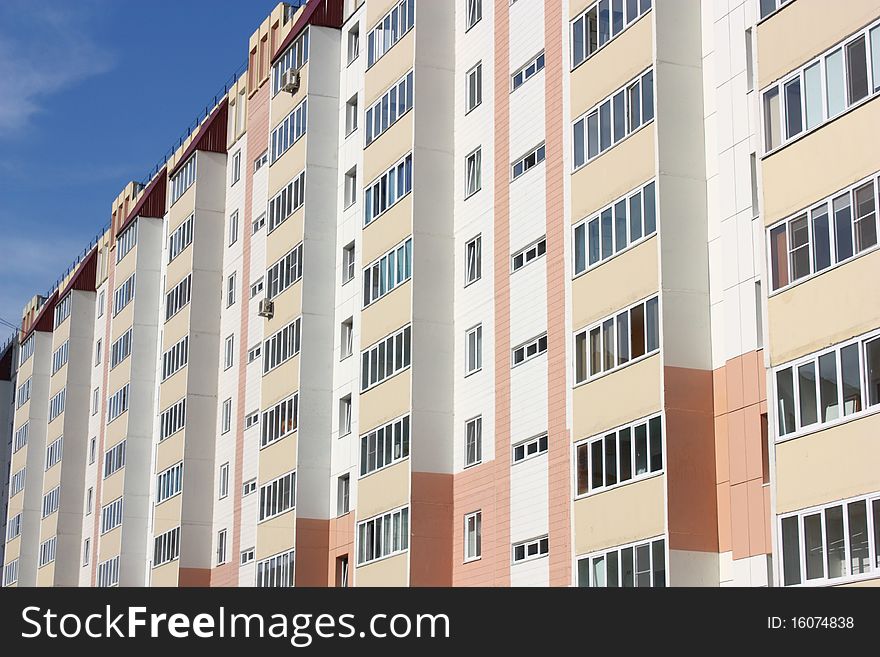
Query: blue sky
column 92, row 94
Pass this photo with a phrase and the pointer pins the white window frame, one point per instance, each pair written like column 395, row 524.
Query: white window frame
column 384, row 446
column 396, row 518
column 530, row 448
column 643, row 7
column 618, row 551
column 529, row 254
column 477, row 424
column 473, row 260
column 473, row 88
column 541, row 344
column 473, row 526
column 540, row 543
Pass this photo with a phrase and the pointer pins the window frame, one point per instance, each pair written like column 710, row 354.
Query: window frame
column 477, row 517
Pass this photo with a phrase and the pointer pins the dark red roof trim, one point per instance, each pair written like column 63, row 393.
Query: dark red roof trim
column 86, row 273
column 151, row 203
column 45, row 319
column 211, row 136
column 323, row 13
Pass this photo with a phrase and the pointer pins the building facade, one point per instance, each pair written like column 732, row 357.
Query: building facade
column 485, row 292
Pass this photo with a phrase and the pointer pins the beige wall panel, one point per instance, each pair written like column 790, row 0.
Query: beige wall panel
column 393, row 571
column 178, row 268
column 278, row 459
column 280, row 383
column 614, row 173
column 392, row 66
column 600, row 292
column 287, row 167
column 283, row 103
column 167, row 515
column 386, row 315
column 116, row 432
column 376, row 9
column 276, row 535
column 170, row 451
column 173, row 389
column 614, row 399
column 618, row 62
column 287, row 307
column 388, row 230
column 165, row 575
column 388, row 149
column 13, row 548
column 124, row 269
column 111, row 487
column 828, row 465
column 286, row 236
column 623, row 515
column 849, row 304
column 123, row 321
column 816, row 27
column 820, row 164
column 111, row 543
column 176, row 327
column 185, row 205
column 117, row 377
column 46, row 575
column 52, row 477
column 864, row 583
column 386, row 401
column 383, row 490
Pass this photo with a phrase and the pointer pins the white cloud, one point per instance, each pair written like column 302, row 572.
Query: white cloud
column 44, row 49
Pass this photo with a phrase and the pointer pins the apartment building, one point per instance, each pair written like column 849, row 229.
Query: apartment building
column 8, row 368
column 478, row 293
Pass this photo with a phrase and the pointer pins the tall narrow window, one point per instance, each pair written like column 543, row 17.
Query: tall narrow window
column 472, row 536
column 472, row 174
column 473, row 441
column 474, row 87
column 474, row 347
column 473, row 260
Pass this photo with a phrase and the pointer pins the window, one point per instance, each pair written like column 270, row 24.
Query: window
column 93, row 449
column 23, row 394
column 613, row 119
column 27, row 350
column 278, row 496
column 387, row 189
column 385, row 358
column 254, row 353
column 830, row 544
column 346, row 338
column 117, row 404
column 259, row 222
column 280, row 420
column 529, row 448
column 529, row 350
column 261, row 161
column 473, row 88
column 637, row 565
column 281, row 346
column 348, row 263
column 284, row 273
column 101, row 303
column 248, row 487
column 287, row 201
column 473, row 260
column 834, row 230
column 108, row 572
column 233, row 228
column 600, row 23
column 531, row 549
column 53, row 452
column 121, row 348
column 221, row 547
column 230, row 289
column 166, row 547
column 235, row 173
column 615, row 341
column 294, row 58
column 172, row 419
column 169, row 482
column 16, row 483
column 821, row 89
column 87, row 551
column 13, row 527
column 342, row 495
column 111, row 515
column 383, row 536
column 628, row 221
column 47, row 551
column 354, row 43
column 276, row 571
column 473, row 441
column 126, row 241
column 289, row 131
column 769, row 6
column 391, row 106
column 226, row 416
column 90, row 497
column 114, row 459
column 21, row 437
column 351, row 118
column 251, row 420
column 750, row 63
column 56, row 404
column 530, row 160
column 181, row 181
column 472, row 182
column 123, row 294
column 10, row 573
column 60, row 356
column 821, row 389
column 345, row 416
column 256, row 287
column 528, row 71
column 388, row 272
column 342, row 571
column 624, row 454
column 350, row 187
column 474, row 13
column 472, row 536
column 175, row 358
column 98, row 349
column 389, row 30
column 474, row 350
column 247, row 556
column 224, row 481
column 178, row 297
column 96, row 401
column 385, row 445
column 532, row 252
column 229, row 352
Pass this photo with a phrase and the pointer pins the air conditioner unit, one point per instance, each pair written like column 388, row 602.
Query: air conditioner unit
column 290, row 81
column 267, row 309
